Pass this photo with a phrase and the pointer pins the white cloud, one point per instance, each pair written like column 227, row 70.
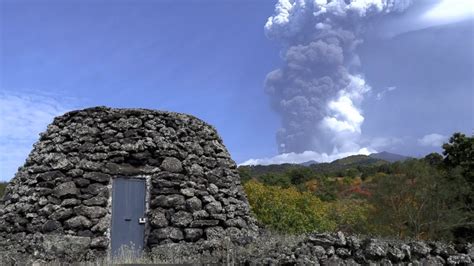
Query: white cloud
column 304, row 157
column 381, row 94
column 425, row 14
column 345, row 116
column 289, row 18
column 433, row 140
column 23, row 115
column 449, row 11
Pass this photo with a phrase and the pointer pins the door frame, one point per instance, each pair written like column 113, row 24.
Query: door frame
column 148, row 185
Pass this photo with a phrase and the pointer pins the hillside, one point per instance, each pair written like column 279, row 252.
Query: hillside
column 308, row 163
column 354, row 161
column 259, row 170
column 389, row 157
column 350, row 162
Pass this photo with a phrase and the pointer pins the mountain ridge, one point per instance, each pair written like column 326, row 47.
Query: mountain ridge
column 342, row 164
column 389, row 157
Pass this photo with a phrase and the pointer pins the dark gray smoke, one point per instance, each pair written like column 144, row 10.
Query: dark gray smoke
column 318, row 91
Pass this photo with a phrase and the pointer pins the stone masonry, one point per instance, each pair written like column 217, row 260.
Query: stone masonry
column 59, row 203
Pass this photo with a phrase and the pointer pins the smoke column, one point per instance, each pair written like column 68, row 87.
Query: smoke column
column 318, row 91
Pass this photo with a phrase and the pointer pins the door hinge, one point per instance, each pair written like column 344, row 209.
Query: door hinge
column 142, row 220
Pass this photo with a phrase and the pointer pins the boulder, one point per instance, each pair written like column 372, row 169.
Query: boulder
column 78, row 222
column 181, row 219
column 172, row 165
column 158, row 219
column 193, row 234
column 66, row 189
column 91, row 212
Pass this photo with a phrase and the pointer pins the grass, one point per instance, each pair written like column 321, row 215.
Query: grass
column 222, row 252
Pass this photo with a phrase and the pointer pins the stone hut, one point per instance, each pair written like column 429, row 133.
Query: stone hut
column 101, row 178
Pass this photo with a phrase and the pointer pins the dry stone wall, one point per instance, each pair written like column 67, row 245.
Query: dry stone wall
column 59, row 202
column 320, row 249
column 340, row 249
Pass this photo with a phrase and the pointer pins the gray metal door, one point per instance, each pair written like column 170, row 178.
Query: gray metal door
column 128, row 206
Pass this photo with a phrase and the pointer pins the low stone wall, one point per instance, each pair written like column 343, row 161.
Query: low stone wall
column 271, row 249
column 319, row 249
column 335, row 248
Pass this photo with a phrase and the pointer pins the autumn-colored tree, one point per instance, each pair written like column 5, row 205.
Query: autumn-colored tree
column 312, row 185
column 287, row 209
column 351, row 215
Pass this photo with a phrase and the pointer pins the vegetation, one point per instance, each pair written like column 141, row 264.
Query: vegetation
column 458, row 163
column 416, row 200
column 335, row 168
column 429, row 198
column 287, row 209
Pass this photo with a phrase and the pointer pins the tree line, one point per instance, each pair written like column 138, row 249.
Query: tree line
column 429, row 198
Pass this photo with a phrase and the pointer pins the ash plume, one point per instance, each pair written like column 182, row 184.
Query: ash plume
column 318, row 90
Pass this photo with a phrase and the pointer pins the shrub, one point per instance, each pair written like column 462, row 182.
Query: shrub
column 351, row 215
column 288, row 210
column 275, row 180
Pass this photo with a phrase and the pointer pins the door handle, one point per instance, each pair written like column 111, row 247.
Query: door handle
column 128, row 219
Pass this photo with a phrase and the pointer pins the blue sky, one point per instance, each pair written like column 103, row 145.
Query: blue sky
column 210, row 59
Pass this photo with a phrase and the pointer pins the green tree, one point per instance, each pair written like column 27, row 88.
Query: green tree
column 327, row 189
column 434, row 159
column 459, row 152
column 459, row 164
column 280, row 180
column 367, row 171
column 244, row 173
column 300, row 175
column 352, row 173
column 416, row 201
